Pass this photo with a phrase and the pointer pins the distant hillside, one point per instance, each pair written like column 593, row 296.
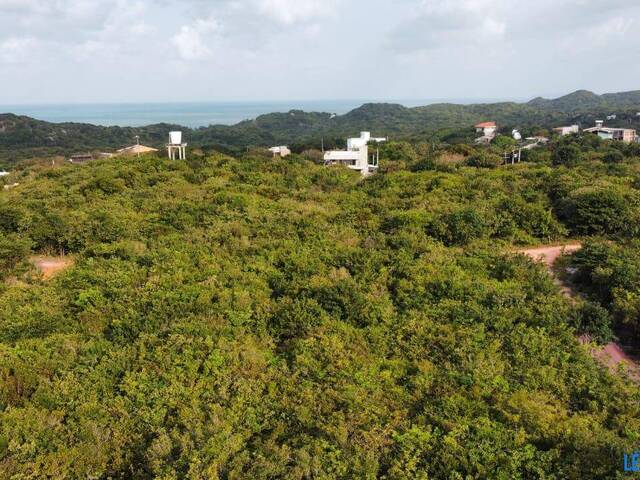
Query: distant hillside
column 23, row 137
column 584, row 100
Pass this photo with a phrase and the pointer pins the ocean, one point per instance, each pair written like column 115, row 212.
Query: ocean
column 193, row 114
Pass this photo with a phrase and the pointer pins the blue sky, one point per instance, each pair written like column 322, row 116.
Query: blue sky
column 58, row 51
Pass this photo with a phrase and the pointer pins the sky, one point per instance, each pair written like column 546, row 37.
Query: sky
column 85, row 51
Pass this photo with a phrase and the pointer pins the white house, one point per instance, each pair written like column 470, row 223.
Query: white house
column 563, row 131
column 356, row 156
column 487, row 128
column 488, row 131
column 281, row 151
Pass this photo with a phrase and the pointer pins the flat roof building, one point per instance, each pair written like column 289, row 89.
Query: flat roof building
column 626, row 135
column 562, row 131
column 356, row 156
column 281, row 151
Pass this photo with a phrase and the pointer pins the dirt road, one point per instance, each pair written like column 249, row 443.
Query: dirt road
column 51, row 266
column 612, row 354
column 549, row 254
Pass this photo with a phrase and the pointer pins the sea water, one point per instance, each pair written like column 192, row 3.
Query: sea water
column 193, row 114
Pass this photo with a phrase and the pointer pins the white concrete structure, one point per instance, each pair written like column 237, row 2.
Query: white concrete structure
column 281, row 151
column 563, row 131
column 356, row 156
column 363, row 140
column 3, row 173
column 626, row 135
column 175, row 146
column 534, row 142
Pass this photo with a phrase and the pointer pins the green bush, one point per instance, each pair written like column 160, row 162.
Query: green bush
column 613, row 156
column 568, row 155
column 594, row 320
column 484, row 160
column 14, row 249
column 601, row 211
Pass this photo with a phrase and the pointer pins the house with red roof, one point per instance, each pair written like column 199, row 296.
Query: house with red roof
column 488, row 131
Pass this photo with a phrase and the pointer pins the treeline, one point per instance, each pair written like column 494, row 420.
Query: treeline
column 23, row 137
column 260, row 318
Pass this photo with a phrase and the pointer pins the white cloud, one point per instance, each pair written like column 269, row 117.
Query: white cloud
column 191, row 40
column 429, row 48
column 16, row 50
column 290, row 12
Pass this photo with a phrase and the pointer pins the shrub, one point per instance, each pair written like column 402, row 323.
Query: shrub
column 568, row 155
column 484, row 160
column 613, row 156
column 601, row 211
column 593, row 320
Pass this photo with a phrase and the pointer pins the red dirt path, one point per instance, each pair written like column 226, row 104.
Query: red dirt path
column 51, row 266
column 612, row 354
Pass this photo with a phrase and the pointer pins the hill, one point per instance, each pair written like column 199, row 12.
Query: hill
column 584, row 101
column 23, row 137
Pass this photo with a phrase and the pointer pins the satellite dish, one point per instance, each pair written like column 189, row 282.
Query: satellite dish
column 516, row 135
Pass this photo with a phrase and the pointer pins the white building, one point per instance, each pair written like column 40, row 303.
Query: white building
column 356, row 156
column 488, row 131
column 563, row 131
column 487, row 128
column 281, row 151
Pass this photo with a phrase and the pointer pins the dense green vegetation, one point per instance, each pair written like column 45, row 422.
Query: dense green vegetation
column 610, row 274
column 256, row 318
column 23, row 137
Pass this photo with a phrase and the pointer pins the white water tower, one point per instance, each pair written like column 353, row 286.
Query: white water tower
column 175, row 146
